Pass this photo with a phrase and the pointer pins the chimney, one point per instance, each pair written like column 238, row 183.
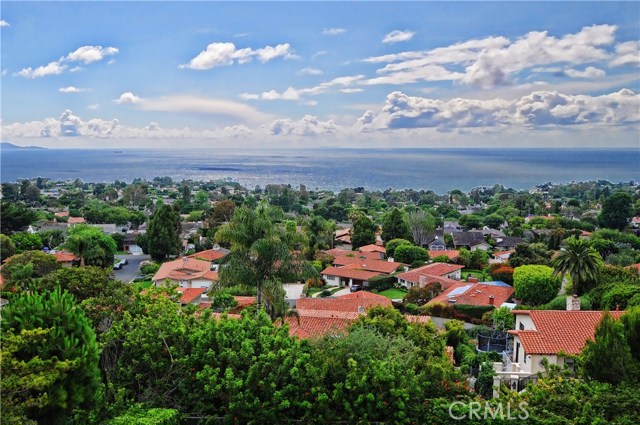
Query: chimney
column 573, row 303
column 617, row 307
column 472, row 279
column 491, row 300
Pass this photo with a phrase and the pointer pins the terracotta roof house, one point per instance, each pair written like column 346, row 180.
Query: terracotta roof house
column 501, row 256
column 340, row 253
column 343, row 235
column 347, row 275
column 481, row 293
column 470, row 240
column 355, row 302
column 186, row 273
column 635, row 221
column 211, row 255
column 381, row 266
column 191, row 295
column 317, row 323
column 76, row 220
column 374, row 248
column 451, row 273
column 451, row 254
column 62, row 214
column 65, row 258
column 548, row 334
column 635, row 267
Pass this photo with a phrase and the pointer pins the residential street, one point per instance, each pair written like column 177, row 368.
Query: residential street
column 131, row 270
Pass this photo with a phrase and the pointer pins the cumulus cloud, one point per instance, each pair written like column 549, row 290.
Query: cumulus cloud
column 398, row 36
column 71, row 89
column 495, row 61
column 539, row 108
column 84, row 54
column 4, row 23
column 90, row 54
column 627, row 53
column 333, row 31
column 52, row 68
column 221, row 54
column 588, row 72
column 306, row 126
column 310, row 71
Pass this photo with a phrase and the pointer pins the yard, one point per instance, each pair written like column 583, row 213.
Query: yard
column 139, row 286
column 474, row 273
column 394, row 293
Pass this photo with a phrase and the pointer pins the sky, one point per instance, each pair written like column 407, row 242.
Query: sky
column 320, row 74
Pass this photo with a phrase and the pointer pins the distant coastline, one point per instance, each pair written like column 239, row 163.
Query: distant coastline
column 7, row 145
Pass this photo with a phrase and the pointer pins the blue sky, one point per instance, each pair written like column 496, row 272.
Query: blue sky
column 300, row 74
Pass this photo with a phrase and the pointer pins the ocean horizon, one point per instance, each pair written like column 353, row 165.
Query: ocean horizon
column 434, row 169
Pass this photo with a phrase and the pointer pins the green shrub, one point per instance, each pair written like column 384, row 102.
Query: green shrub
column 381, row 283
column 150, row 268
column 475, row 311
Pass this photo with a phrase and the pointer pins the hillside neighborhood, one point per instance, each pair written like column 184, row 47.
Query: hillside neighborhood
column 501, row 289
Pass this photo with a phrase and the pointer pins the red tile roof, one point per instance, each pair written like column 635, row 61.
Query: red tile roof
column 475, row 294
column 317, row 323
column 349, row 273
column 559, row 331
column 186, row 269
column 64, row 257
column 509, row 252
column 244, row 301
column 381, row 266
column 452, row 254
column 190, row 294
column 340, row 254
column 76, row 220
column 209, row 254
column 445, row 282
column 350, row 302
column 62, row 214
column 373, row 248
column 434, row 269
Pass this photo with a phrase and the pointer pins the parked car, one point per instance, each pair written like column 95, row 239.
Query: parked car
column 123, row 263
column 117, row 266
column 355, row 287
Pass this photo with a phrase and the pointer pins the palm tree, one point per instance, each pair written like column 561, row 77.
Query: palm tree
column 80, row 245
column 259, row 253
column 579, row 260
column 320, row 233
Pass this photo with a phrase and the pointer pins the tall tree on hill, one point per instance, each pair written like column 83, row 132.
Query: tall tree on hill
column 320, row 233
column 15, row 217
column 163, row 234
column 363, row 231
column 421, row 225
column 616, row 211
column 394, row 226
column 92, row 246
column 579, row 260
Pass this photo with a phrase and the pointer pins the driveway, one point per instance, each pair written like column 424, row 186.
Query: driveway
column 131, row 270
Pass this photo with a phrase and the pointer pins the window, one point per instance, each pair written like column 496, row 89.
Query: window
column 524, row 357
column 517, row 351
column 521, row 326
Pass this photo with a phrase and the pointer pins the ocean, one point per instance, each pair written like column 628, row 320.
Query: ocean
column 439, row 170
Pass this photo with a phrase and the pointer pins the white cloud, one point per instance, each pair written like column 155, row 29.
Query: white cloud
column 297, row 94
column 306, row 126
column 349, row 91
column 310, row 71
column 539, row 108
column 333, row 31
column 318, row 54
column 495, row 61
column 627, row 53
column 71, row 89
column 4, row 23
column 76, row 69
column 52, row 68
column 90, row 54
column 93, row 106
column 127, row 98
column 221, row 54
column 398, row 36
column 196, row 105
column 84, row 54
column 589, row 72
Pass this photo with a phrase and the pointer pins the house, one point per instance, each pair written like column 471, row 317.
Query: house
column 501, row 257
column 186, row 273
column 479, row 294
column 372, row 265
column 634, row 267
column 445, row 274
column 451, row 254
column 107, row 229
column 355, row 302
column 549, row 334
column 343, row 236
column 343, row 255
column 470, row 240
column 435, row 241
column 451, row 226
column 317, row 323
column 212, row 255
column 382, row 252
column 66, row 259
column 192, row 295
column 492, row 233
column 62, row 214
column 130, row 243
column 348, row 275
column 508, row 242
column 75, row 220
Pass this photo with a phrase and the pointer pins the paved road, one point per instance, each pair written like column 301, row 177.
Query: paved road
column 132, row 269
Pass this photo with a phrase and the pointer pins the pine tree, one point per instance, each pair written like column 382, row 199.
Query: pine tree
column 363, row 231
column 163, row 234
column 394, row 226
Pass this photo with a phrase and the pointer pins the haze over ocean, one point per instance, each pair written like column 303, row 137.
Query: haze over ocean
column 440, row 170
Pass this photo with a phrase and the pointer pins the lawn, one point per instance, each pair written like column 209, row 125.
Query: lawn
column 394, row 293
column 139, row 286
column 474, row 273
